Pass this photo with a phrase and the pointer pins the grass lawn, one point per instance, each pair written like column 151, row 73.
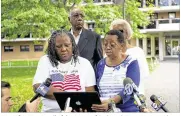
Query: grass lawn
column 21, row 84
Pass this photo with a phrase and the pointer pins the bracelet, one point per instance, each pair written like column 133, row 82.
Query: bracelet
column 111, row 104
column 111, row 101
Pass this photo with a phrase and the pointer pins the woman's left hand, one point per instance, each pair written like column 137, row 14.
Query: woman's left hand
column 100, row 108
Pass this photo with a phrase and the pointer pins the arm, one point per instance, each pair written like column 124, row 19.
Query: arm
column 133, row 72
column 42, row 73
column 49, row 95
column 90, row 79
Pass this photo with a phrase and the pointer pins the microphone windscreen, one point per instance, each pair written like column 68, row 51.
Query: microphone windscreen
column 153, row 98
column 48, row 82
column 127, row 80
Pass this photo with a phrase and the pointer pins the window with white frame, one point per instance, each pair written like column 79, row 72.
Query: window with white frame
column 171, row 15
column 8, row 48
column 140, row 43
column 156, row 46
column 24, row 48
column 38, row 48
column 148, row 46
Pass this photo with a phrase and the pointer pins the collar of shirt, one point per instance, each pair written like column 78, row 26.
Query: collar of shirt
column 76, row 38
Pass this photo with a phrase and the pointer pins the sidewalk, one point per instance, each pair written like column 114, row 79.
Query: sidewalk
column 164, row 81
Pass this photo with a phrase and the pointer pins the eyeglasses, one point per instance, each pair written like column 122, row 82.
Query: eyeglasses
column 111, row 45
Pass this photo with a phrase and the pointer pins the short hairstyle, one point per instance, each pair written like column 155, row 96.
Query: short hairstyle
column 51, row 50
column 118, row 34
column 125, row 25
column 74, row 8
column 4, row 85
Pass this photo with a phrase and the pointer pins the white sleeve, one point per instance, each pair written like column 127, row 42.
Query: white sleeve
column 143, row 65
column 90, row 79
column 42, row 71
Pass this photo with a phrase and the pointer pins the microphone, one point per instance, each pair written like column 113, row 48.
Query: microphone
column 158, row 103
column 130, row 89
column 40, row 91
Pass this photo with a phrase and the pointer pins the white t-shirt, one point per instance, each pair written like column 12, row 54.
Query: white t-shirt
column 138, row 53
column 71, row 77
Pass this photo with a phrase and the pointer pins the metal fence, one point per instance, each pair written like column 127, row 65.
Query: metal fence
column 10, row 64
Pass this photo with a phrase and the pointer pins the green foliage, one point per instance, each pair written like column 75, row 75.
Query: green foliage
column 40, row 17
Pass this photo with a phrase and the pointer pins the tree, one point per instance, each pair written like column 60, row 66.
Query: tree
column 40, row 17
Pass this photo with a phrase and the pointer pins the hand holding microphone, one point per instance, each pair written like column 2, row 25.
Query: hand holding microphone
column 41, row 91
column 130, row 89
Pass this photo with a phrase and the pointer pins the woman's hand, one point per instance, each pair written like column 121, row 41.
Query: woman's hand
column 69, row 109
column 102, row 107
column 146, row 110
column 80, row 110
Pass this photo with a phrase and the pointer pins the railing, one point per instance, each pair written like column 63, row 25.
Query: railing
column 160, row 3
column 155, row 23
column 24, row 63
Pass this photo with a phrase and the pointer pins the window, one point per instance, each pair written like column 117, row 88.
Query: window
column 171, row 15
column 167, row 47
column 96, row 1
column 163, row 21
column 141, row 43
column 163, row 2
column 156, row 46
column 24, row 48
column 152, row 25
column 38, row 48
column 154, row 16
column 175, row 20
column 141, row 3
column 175, row 2
column 148, row 46
column 106, row 0
column 150, row 2
column 8, row 48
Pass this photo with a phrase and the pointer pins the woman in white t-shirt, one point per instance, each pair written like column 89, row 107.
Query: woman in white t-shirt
column 68, row 71
column 134, row 51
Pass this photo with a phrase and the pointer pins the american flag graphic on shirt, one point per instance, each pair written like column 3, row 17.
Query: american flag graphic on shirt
column 69, row 82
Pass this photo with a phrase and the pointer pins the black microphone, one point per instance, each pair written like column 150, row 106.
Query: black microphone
column 158, row 103
column 40, row 91
column 130, row 89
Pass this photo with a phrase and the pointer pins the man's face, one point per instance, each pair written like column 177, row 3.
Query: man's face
column 6, row 102
column 77, row 19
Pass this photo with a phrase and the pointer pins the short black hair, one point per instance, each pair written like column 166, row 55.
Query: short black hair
column 51, row 51
column 4, row 85
column 119, row 34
